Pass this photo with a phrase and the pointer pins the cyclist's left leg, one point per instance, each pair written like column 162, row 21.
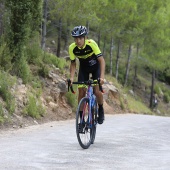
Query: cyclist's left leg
column 99, row 96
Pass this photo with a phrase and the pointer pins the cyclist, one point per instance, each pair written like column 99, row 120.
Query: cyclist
column 91, row 61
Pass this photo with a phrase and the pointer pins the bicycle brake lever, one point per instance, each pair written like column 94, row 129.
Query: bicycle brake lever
column 71, row 87
column 69, row 83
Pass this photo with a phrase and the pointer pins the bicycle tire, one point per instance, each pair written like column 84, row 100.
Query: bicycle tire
column 84, row 136
column 94, row 123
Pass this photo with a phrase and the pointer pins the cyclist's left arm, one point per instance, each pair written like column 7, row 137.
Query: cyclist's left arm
column 102, row 69
column 100, row 58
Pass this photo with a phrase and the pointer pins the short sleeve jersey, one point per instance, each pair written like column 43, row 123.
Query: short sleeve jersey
column 87, row 55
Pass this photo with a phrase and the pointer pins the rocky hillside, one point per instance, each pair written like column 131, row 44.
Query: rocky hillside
column 53, row 100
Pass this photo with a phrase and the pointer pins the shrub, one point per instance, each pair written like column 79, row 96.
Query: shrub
column 6, row 83
column 5, row 57
column 157, row 90
column 52, row 59
column 166, row 98
column 34, row 108
column 1, row 114
column 72, row 100
column 34, row 52
column 44, row 71
column 22, row 69
column 122, row 104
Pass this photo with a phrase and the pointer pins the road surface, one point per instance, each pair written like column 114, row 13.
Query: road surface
column 123, row 142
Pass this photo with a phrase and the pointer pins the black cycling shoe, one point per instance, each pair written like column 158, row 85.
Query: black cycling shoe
column 101, row 115
column 81, row 127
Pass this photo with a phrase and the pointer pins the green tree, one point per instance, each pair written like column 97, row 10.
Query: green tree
column 156, row 42
column 22, row 17
column 75, row 12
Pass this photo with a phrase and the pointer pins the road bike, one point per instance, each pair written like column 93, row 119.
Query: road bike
column 87, row 122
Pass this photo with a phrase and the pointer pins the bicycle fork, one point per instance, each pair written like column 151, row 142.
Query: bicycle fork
column 89, row 120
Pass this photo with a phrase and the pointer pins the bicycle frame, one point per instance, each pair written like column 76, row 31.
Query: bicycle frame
column 91, row 97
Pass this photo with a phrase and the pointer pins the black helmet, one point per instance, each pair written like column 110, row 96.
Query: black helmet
column 79, row 31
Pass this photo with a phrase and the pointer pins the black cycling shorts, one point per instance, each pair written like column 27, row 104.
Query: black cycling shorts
column 84, row 73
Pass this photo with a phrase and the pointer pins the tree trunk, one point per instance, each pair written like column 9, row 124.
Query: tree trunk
column 87, row 26
column 117, row 59
column 104, row 46
column 59, row 37
column 128, row 64
column 135, row 69
column 111, row 57
column 67, row 36
column 1, row 17
column 99, row 36
column 152, row 88
column 44, row 25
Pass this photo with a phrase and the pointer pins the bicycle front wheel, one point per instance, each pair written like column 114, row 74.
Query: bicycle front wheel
column 94, row 122
column 83, row 127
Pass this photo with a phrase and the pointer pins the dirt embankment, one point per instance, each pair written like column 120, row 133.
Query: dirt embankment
column 54, row 101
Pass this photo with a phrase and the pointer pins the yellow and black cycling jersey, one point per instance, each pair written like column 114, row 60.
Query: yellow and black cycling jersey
column 87, row 55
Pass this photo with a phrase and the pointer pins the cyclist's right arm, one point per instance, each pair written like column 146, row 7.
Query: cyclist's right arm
column 72, row 70
column 73, row 62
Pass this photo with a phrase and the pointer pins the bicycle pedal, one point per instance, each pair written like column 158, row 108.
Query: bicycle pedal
column 81, row 127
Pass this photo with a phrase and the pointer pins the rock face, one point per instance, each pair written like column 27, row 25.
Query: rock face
column 111, row 98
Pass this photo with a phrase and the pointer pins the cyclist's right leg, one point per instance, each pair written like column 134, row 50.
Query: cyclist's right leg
column 82, row 93
column 82, row 76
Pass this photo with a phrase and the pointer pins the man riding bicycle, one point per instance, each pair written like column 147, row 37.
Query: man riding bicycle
column 91, row 61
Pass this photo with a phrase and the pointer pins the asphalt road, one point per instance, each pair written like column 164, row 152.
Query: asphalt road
column 123, row 142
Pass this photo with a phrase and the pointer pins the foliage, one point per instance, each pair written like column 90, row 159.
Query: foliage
column 22, row 69
column 20, row 25
column 1, row 114
column 33, row 52
column 122, row 105
column 36, row 84
column 5, row 57
column 136, row 106
column 143, row 25
column 114, row 81
column 166, row 98
column 52, row 59
column 6, row 83
column 72, row 100
column 157, row 90
column 34, row 107
column 44, row 70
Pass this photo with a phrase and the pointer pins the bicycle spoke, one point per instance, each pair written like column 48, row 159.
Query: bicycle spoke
column 82, row 125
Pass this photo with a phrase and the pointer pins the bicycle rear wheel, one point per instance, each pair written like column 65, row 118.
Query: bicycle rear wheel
column 83, row 127
column 94, row 123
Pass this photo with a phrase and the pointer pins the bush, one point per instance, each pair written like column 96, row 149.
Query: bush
column 166, row 98
column 34, row 53
column 122, row 104
column 72, row 100
column 44, row 71
column 54, row 60
column 34, row 108
column 5, row 57
column 157, row 90
column 1, row 114
column 24, row 71
column 6, row 83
